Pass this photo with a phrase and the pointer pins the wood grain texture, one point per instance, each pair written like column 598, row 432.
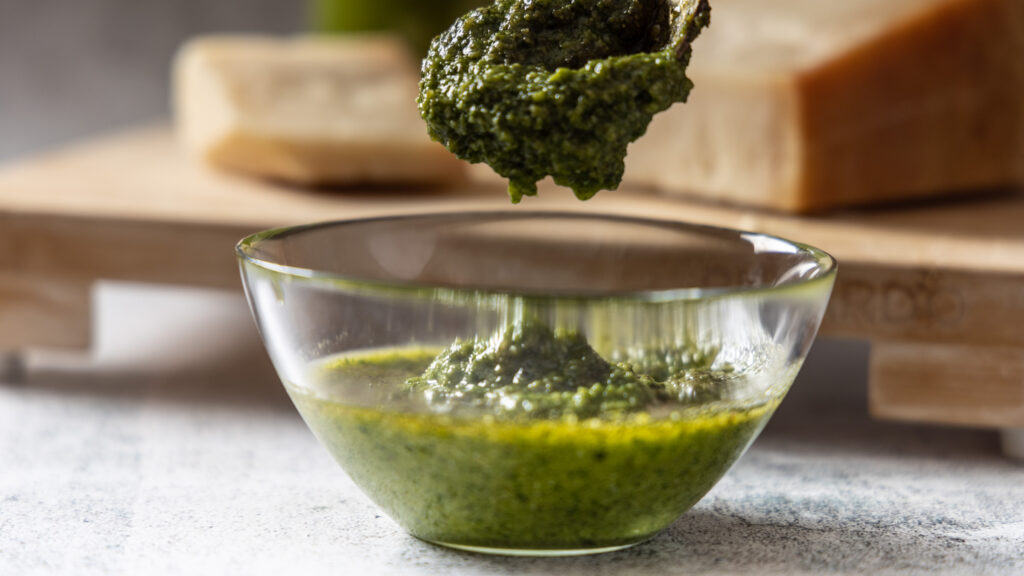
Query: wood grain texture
column 134, row 207
column 952, row 384
column 45, row 312
column 143, row 176
column 927, row 304
column 943, row 280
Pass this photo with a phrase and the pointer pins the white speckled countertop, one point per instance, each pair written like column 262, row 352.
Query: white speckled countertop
column 174, row 451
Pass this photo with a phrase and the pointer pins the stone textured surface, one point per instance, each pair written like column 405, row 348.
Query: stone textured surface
column 174, row 450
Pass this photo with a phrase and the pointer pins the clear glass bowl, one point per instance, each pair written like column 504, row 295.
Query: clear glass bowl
column 534, row 383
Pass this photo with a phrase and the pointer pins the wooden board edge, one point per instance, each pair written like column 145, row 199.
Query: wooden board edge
column 44, row 312
column 965, row 385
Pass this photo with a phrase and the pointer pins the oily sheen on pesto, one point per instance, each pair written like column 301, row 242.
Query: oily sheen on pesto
column 530, row 370
column 529, row 439
column 557, row 87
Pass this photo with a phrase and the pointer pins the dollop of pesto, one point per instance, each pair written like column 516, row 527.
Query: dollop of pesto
column 529, row 370
column 557, row 87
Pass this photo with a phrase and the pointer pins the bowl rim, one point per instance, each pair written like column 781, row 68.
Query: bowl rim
column 827, row 263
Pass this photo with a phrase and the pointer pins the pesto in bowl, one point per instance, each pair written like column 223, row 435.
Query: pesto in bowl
column 518, row 477
column 534, row 383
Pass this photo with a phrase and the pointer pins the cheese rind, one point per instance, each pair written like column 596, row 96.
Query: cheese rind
column 808, row 106
column 307, row 110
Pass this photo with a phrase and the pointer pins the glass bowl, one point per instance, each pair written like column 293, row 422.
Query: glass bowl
column 534, row 383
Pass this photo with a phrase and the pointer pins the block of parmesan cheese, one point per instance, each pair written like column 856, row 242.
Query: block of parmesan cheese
column 811, row 105
column 307, row 110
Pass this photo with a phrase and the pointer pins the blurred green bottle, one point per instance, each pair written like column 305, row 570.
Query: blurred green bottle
column 418, row 21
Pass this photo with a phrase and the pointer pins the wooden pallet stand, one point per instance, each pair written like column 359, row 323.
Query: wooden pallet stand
column 938, row 288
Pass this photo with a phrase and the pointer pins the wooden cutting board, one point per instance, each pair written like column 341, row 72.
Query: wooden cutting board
column 938, row 288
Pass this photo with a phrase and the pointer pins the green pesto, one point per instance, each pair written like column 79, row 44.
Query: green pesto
column 523, row 480
column 528, row 370
column 557, row 87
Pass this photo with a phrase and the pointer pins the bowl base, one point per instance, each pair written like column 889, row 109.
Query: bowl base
column 534, row 553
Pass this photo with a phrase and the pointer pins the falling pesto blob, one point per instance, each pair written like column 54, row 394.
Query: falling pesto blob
column 557, row 87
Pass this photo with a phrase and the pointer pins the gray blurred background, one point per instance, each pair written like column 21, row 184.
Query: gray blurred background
column 72, row 68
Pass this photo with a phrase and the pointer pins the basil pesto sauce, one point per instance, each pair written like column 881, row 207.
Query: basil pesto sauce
column 529, row 439
column 528, row 370
column 557, row 87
